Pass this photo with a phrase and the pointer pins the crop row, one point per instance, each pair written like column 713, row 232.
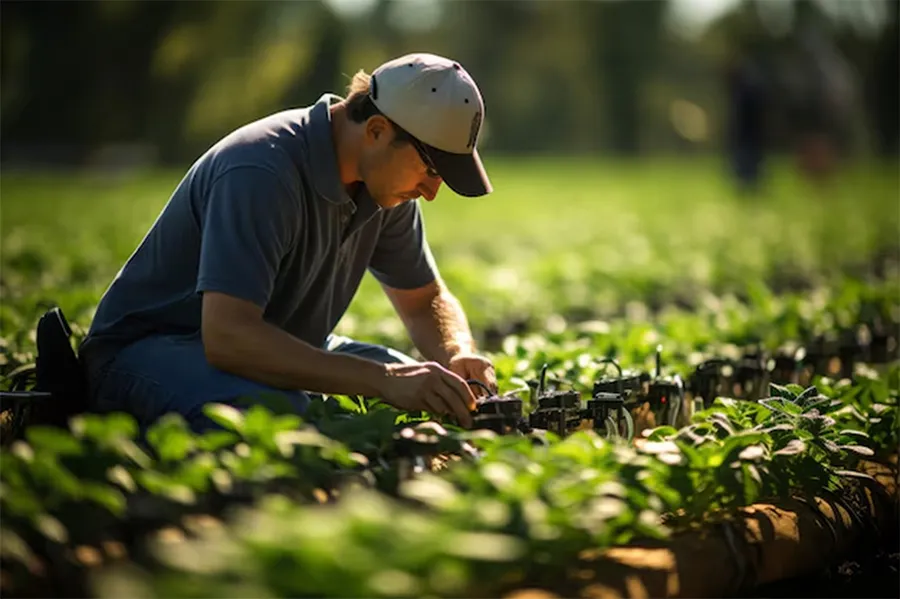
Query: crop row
column 371, row 502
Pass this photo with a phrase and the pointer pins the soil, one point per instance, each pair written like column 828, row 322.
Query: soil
column 872, row 574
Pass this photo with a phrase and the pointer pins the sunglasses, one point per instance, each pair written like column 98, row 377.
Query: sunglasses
column 430, row 170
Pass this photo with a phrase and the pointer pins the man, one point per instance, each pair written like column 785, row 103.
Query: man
column 234, row 293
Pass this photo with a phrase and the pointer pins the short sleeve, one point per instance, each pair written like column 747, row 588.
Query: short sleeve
column 402, row 258
column 248, row 226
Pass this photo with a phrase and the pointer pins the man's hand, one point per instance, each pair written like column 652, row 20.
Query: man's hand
column 428, row 386
column 472, row 366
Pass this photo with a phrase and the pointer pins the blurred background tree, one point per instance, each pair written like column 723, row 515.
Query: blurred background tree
column 126, row 81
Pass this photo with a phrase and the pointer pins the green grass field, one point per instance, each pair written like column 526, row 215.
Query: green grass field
column 568, row 262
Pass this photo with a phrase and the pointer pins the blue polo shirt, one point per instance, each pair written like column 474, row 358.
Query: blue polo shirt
column 262, row 216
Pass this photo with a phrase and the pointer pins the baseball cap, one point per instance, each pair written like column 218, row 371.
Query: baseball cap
column 436, row 101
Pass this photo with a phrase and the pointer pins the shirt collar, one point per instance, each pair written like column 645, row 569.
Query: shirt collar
column 326, row 177
column 324, row 171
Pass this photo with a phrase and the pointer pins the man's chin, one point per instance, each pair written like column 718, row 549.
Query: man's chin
column 393, row 202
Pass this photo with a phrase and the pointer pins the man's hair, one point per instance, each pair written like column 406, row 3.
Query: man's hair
column 360, row 105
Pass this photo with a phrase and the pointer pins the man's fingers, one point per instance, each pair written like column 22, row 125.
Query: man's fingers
column 479, row 369
column 463, row 401
column 443, row 398
column 460, row 388
column 459, row 398
column 487, row 378
column 443, row 401
column 478, row 387
column 490, row 377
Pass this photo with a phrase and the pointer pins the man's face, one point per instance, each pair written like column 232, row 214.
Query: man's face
column 394, row 173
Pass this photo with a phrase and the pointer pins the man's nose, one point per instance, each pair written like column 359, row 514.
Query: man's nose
column 430, row 187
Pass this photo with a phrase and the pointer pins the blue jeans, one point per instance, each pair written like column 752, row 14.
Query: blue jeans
column 170, row 373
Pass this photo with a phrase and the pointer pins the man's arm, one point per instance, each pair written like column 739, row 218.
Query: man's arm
column 434, row 319
column 438, row 327
column 236, row 339
column 404, row 266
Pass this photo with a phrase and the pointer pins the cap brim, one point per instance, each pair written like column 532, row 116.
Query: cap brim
column 463, row 173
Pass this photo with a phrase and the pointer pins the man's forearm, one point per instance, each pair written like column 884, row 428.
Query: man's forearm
column 265, row 353
column 441, row 330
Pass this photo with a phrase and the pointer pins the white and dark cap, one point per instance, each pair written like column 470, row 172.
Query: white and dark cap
column 437, row 102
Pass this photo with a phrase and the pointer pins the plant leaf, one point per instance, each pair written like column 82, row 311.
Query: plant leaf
column 662, row 433
column 722, row 421
column 828, row 445
column 56, row 440
column 784, row 426
column 857, row 449
column 782, row 392
column 214, row 440
column 854, row 474
column 794, row 447
column 807, row 394
column 795, row 389
column 227, row 416
column 816, row 403
column 752, row 453
column 782, row 405
column 855, row 433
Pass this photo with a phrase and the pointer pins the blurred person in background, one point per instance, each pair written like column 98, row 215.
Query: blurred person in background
column 747, row 117
column 233, row 294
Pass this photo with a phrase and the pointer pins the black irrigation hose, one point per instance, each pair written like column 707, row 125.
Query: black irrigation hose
column 618, row 369
column 542, row 379
column 658, row 361
column 482, row 385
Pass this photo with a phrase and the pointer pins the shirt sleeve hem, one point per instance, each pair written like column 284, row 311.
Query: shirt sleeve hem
column 405, row 282
column 204, row 285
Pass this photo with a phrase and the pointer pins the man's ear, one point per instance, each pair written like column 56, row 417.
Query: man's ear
column 376, row 127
